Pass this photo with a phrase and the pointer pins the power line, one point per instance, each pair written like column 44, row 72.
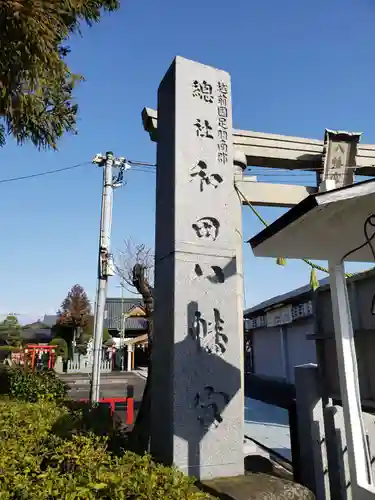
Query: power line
column 41, row 174
column 143, row 167
column 297, row 176
column 265, row 171
column 305, row 170
column 141, row 163
column 147, row 167
column 145, row 170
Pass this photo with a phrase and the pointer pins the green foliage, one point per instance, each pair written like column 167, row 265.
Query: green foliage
column 106, row 336
column 61, row 347
column 10, row 331
column 36, row 84
column 9, row 348
column 38, row 462
column 63, row 332
column 12, row 321
column 88, row 332
column 88, row 329
column 19, row 383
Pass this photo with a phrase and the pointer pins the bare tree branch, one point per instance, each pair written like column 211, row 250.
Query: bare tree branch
column 127, row 258
column 135, row 268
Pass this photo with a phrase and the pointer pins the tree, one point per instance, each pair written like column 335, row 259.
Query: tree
column 75, row 313
column 107, row 339
column 36, row 84
column 134, row 267
column 87, row 334
column 10, row 331
column 132, row 255
column 64, row 332
column 61, row 347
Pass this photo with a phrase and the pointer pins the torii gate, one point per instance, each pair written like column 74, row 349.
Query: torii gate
column 259, row 149
column 197, row 411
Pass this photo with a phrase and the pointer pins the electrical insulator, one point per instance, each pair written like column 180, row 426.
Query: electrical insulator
column 110, row 271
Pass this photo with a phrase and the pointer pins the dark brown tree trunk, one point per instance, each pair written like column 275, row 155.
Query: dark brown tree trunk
column 140, row 436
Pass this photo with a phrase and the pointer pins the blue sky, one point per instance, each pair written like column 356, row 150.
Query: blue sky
column 297, row 68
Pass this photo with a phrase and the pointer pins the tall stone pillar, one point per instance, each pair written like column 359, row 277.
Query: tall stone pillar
column 197, row 407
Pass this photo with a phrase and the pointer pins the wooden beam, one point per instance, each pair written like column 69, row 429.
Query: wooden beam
column 278, row 151
column 272, row 195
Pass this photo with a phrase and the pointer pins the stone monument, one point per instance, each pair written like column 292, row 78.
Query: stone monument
column 90, row 351
column 197, row 407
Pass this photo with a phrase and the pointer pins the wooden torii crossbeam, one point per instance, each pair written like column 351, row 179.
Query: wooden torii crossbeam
column 277, row 151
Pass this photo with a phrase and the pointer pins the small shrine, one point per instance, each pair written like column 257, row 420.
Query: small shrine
column 338, row 226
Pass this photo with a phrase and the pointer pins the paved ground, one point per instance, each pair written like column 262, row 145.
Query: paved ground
column 111, row 386
column 264, row 423
column 268, row 425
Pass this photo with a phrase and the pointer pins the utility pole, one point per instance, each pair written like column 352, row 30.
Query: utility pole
column 105, row 259
column 123, row 319
column 122, row 335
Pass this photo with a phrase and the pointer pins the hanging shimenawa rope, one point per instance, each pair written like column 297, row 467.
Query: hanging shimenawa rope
column 281, row 261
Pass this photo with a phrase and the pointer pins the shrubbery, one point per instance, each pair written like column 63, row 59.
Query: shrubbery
column 39, row 461
column 61, row 347
column 53, row 449
column 20, row 383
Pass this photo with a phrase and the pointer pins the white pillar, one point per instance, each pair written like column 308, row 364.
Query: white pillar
column 130, row 357
column 349, row 385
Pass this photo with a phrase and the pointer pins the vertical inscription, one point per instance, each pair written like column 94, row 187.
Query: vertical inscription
column 203, row 129
column 200, row 171
column 339, row 157
column 197, row 309
column 203, row 90
column 209, row 404
column 209, row 335
column 222, row 123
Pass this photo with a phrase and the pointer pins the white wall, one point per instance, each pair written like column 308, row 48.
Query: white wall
column 299, row 350
column 278, row 350
column 267, row 352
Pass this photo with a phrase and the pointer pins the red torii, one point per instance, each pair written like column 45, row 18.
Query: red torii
column 36, row 348
column 112, row 405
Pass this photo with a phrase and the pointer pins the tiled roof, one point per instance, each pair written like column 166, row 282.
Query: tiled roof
column 36, row 335
column 50, row 320
column 304, row 290
column 114, row 307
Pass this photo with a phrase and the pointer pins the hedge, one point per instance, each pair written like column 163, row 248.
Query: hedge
column 37, row 461
column 61, row 347
column 21, row 383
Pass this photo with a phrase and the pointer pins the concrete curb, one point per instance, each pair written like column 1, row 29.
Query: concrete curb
column 141, row 374
column 102, row 382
